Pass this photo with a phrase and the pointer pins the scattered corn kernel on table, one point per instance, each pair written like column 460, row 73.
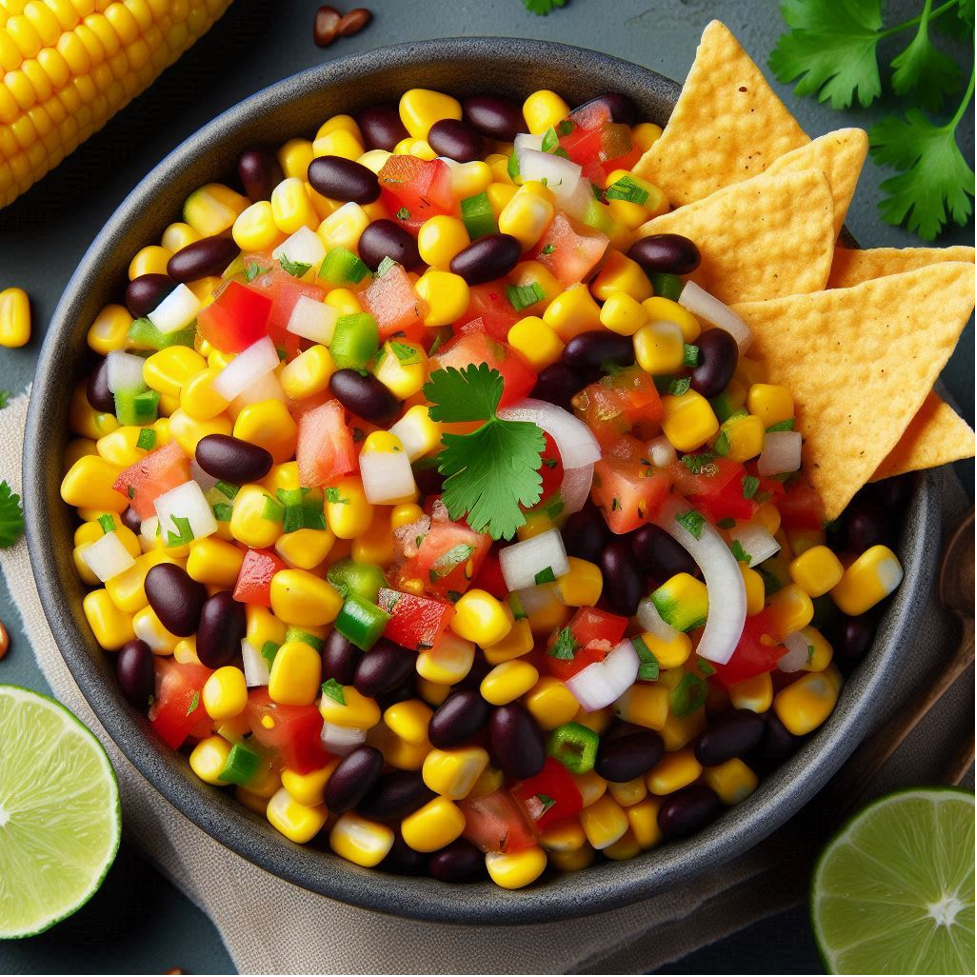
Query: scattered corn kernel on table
column 138, row 923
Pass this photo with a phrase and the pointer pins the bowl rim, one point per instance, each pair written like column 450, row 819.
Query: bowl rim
column 597, row 889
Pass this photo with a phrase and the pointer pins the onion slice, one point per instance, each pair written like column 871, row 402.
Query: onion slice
column 653, row 622
column 575, row 489
column 700, row 303
column 600, row 684
column 247, row 368
column 721, row 573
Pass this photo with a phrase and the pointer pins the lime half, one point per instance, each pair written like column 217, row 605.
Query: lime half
column 59, row 813
column 893, row 893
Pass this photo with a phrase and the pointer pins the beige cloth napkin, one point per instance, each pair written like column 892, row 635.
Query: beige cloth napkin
column 272, row 926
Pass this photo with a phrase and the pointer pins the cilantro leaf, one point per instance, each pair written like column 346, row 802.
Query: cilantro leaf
column 296, row 268
column 11, row 517
column 334, row 690
column 471, row 394
column 565, row 645
column 542, row 7
column 691, row 521
column 4, row 397
column 688, row 695
column 922, row 69
column 739, row 554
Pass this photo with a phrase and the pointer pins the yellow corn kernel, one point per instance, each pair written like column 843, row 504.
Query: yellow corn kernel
column 665, row 310
column 88, row 484
column 572, row 312
column 340, row 122
column 15, row 318
column 659, row 347
column 550, row 703
column 79, row 448
column 670, row 654
column 291, row 207
column 535, row 524
column 339, row 142
column 644, row 704
column 448, row 662
column 249, row 523
column 790, row 609
column 604, row 822
column 515, row 870
column 627, row 845
column 112, row 628
column 479, row 617
column 500, row 193
column 816, row 571
column 565, row 836
column 643, row 822
column 447, row 296
column 673, row 772
column 591, row 786
column 432, row 693
column 343, row 227
column 420, row 108
column 507, row 682
column 351, row 516
column 470, row 179
column 599, row 720
column 755, row 694
column 654, row 204
column 298, row 822
column 109, row 330
column 440, row 239
column 870, row 579
column 802, row 540
column 526, row 216
column 309, row 373
column 733, row 780
column 148, row 627
column 533, row 273
column 177, row 236
column 417, row 432
column 151, row 260
column 128, row 589
column 769, row 516
column 213, row 208
column 374, row 159
column 304, row 549
column 397, row 752
column 544, row 109
column 255, row 228
column 626, row 316
column 376, row 545
column 820, row 658
column 770, row 402
column 409, row 720
column 453, row 773
column 84, row 420
column 296, row 672
column 582, row 584
column 269, row 425
column 518, row 642
column 436, row 824
column 630, row 792
column 402, row 369
column 550, row 614
column 404, row 514
column 214, row 561
column 170, row 369
column 807, row 702
column 744, row 437
column 536, row 341
column 362, row 842
column 645, row 135
column 282, row 476
column 309, row 788
column 120, row 447
column 620, row 275
column 187, row 431
column 677, row 732
column 356, row 711
column 689, row 420
column 303, row 599
column 294, row 157
column 225, row 693
column 208, row 757
column 263, row 626
column 755, row 591
column 573, row 861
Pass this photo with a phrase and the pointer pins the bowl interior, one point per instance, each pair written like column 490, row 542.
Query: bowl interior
column 298, row 106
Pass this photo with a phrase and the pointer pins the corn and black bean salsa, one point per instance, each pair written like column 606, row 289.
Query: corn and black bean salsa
column 431, row 510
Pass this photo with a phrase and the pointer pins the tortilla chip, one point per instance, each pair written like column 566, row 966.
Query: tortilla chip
column 759, row 239
column 936, row 436
column 727, row 125
column 839, row 155
column 860, row 362
column 853, row 266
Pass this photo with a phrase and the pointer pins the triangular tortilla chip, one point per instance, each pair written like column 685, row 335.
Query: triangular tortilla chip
column 759, row 239
column 860, row 362
column 727, row 125
column 853, row 266
column 839, row 155
column 936, row 436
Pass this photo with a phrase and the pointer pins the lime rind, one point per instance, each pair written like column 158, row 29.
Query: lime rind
column 893, row 892
column 60, row 814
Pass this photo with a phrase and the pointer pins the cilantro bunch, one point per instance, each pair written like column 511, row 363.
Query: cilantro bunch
column 831, row 51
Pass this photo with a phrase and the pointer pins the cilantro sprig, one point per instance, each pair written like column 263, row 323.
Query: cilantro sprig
column 494, row 470
column 11, row 517
column 542, row 7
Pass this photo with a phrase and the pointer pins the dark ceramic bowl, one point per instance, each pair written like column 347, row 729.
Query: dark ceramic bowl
column 296, row 107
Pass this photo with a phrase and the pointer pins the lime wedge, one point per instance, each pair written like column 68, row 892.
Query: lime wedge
column 893, row 893
column 59, row 813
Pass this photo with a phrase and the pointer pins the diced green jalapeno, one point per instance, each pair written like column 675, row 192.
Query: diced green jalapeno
column 575, row 746
column 361, row 622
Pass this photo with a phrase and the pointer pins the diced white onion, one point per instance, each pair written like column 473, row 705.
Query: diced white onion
column 563, row 177
column 700, row 303
column 107, row 557
column 312, row 319
column 177, row 311
column 521, row 562
column 539, row 598
column 248, row 367
column 341, row 740
column 798, row 653
column 125, row 372
column 527, row 140
column 387, row 477
column 255, row 667
column 303, row 247
column 723, row 580
column 574, row 440
column 267, row 387
column 598, row 685
column 652, row 622
column 186, row 501
column 755, row 540
column 661, row 453
column 412, row 430
column 781, row 453
column 149, row 530
column 575, row 489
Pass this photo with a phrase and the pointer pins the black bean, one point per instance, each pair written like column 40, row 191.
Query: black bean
column 494, row 116
column 395, row 795
column 687, row 810
column 480, row 668
column 364, row 396
column 630, row 754
column 731, row 735
column 387, row 239
column 177, row 599
column 591, row 353
column 429, row 480
column 458, row 719
column 136, row 673
column 354, row 776
column 456, row 140
column 382, row 127
column 146, row 292
column 585, row 534
column 620, row 107
column 383, row 668
column 231, row 459
column 488, row 258
column 623, row 585
column 222, row 627
column 407, row 689
column 339, row 659
column 659, row 555
column 259, row 172
column 208, row 256
column 132, row 520
column 893, row 493
column 460, row 861
column 669, row 253
column 403, row 860
column 718, row 356
column 97, row 390
column 516, row 741
column 853, row 636
column 866, row 524
column 776, row 744
column 557, row 384
column 343, row 179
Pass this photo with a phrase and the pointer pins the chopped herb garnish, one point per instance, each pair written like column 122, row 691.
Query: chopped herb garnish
column 721, row 447
column 565, row 645
column 194, row 702
column 705, row 667
column 334, row 691
column 692, row 521
column 649, row 667
column 688, row 695
column 252, row 271
column 107, row 523
column 268, row 651
column 272, row 510
column 146, row 439
column 226, row 489
column 550, row 140
column 545, row 575
column 333, row 496
column 222, row 511
column 750, row 484
column 541, row 8
column 385, row 265
column 522, row 296
column 810, row 654
column 726, row 523
column 549, row 249
column 449, row 560
column 403, row 214
column 407, row 355
column 787, row 425
column 565, row 127
column 296, row 268
column 739, row 554
column 626, row 189
column 186, row 533
column 691, row 355
column 679, row 386
column 454, row 596
column 698, row 463
column 546, row 801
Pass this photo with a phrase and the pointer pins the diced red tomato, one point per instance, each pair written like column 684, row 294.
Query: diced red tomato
column 495, row 822
column 571, row 251
column 518, row 376
column 254, row 579
column 801, row 507
column 594, row 634
column 716, row 489
column 395, row 305
column 178, row 711
column 757, row 652
column 237, row 317
column 617, row 403
column 143, row 482
column 325, row 449
column 416, row 622
column 284, row 290
column 447, row 559
column 628, row 490
column 420, row 187
column 549, row 797
column 597, row 144
column 294, row 731
column 489, row 578
column 489, row 310
column 551, row 469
